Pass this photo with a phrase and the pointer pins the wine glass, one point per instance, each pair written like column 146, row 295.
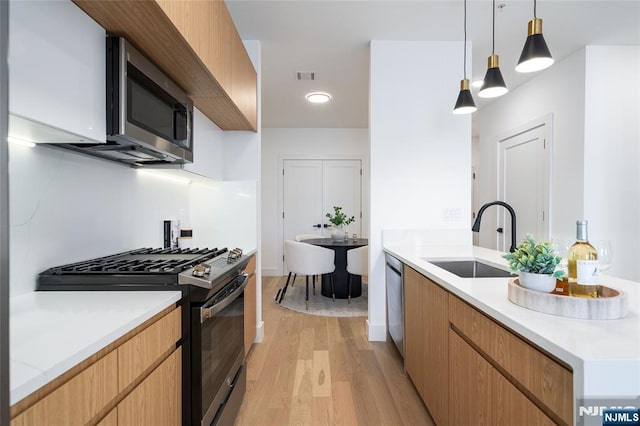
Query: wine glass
column 561, row 246
column 605, row 254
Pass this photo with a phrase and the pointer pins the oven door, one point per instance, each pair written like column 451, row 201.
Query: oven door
column 218, row 353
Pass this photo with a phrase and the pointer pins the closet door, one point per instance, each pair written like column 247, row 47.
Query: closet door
column 310, row 190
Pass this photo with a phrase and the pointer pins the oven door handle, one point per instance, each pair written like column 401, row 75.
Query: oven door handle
column 207, row 312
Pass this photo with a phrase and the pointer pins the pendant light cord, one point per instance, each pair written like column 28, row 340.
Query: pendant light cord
column 465, row 40
column 493, row 40
column 534, row 9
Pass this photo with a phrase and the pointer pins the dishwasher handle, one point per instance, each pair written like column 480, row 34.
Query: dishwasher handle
column 394, row 264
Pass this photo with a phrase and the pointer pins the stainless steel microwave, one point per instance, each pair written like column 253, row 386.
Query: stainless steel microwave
column 149, row 118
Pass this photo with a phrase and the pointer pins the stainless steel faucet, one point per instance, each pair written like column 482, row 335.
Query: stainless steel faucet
column 476, row 224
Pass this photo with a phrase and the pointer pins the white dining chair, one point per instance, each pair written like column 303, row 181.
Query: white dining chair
column 307, row 259
column 357, row 264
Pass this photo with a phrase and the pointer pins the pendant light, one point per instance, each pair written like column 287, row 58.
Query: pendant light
column 494, row 84
column 535, row 54
column 465, row 103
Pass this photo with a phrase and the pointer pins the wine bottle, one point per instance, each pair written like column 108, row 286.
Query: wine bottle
column 583, row 264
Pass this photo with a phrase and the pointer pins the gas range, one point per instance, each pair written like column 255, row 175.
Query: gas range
column 147, row 267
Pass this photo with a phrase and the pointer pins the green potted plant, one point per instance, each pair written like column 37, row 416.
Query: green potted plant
column 536, row 264
column 339, row 221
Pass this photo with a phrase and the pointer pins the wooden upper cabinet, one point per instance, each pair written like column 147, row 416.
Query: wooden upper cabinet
column 197, row 45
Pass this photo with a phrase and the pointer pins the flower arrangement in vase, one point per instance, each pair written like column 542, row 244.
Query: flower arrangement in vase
column 536, row 264
column 339, row 221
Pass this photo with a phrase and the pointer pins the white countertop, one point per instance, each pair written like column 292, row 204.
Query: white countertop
column 604, row 354
column 51, row 332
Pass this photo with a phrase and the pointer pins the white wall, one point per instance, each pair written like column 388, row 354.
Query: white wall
column 558, row 90
column 612, row 153
column 593, row 96
column 66, row 207
column 278, row 144
column 420, row 151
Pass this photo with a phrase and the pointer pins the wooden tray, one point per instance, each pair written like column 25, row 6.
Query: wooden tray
column 613, row 304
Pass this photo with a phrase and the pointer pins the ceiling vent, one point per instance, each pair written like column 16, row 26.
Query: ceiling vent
column 305, row 75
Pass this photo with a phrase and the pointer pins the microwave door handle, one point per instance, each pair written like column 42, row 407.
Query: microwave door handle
column 207, row 312
column 184, row 132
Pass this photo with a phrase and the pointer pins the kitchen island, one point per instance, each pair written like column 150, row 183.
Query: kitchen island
column 601, row 356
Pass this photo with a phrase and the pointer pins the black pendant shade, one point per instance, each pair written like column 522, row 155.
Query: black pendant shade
column 465, row 103
column 535, row 54
column 494, row 84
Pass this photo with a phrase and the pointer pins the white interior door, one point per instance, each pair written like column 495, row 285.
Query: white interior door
column 310, row 190
column 302, row 203
column 524, row 160
column 341, row 186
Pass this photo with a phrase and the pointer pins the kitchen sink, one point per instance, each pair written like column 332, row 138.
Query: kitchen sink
column 471, row 269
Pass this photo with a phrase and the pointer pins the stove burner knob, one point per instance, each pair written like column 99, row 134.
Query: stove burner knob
column 207, row 268
column 198, row 271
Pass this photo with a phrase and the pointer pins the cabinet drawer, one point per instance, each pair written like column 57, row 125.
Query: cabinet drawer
column 77, row 401
column 144, row 349
column 545, row 379
column 157, row 400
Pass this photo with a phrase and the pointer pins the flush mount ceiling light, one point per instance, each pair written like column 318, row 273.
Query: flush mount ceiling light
column 535, row 54
column 494, row 84
column 465, row 103
column 318, row 97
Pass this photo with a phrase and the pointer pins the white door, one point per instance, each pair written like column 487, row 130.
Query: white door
column 524, row 159
column 302, row 204
column 310, row 190
column 341, row 186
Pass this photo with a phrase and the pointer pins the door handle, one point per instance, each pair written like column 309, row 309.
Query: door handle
column 326, row 225
column 317, row 225
column 499, row 230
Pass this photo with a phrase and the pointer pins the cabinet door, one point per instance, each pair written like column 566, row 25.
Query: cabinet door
column 249, row 314
column 157, row 400
column 480, row 395
column 435, row 316
column 57, row 68
column 413, row 331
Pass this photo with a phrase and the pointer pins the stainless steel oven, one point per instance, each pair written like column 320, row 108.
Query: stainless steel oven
column 219, row 377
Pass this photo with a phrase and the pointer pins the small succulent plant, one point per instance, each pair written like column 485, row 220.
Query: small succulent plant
column 339, row 218
column 533, row 257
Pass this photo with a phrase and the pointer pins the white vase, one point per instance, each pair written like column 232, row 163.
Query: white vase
column 338, row 233
column 538, row 282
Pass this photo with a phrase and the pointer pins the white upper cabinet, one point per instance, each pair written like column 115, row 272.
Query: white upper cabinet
column 208, row 148
column 56, row 72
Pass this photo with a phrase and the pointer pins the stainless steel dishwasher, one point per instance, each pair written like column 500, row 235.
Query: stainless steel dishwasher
column 395, row 301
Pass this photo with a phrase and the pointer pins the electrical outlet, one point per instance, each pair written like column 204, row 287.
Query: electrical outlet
column 451, row 214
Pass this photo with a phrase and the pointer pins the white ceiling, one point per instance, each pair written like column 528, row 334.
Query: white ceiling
column 331, row 37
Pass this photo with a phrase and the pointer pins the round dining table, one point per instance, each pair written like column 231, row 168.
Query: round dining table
column 340, row 275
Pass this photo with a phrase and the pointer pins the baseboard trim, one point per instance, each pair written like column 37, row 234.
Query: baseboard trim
column 271, row 272
column 259, row 333
column 377, row 332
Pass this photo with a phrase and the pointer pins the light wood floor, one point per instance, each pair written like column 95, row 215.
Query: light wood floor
column 312, row 370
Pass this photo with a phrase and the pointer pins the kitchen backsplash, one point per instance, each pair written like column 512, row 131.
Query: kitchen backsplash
column 65, row 207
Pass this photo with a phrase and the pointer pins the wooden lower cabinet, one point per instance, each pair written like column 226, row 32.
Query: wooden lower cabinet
column 413, row 329
column 426, row 341
column 136, row 380
column 480, row 395
column 157, row 400
column 250, row 306
column 470, row 369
